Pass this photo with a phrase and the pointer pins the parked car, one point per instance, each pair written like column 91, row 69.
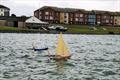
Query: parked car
column 61, row 28
column 52, row 27
column 58, row 28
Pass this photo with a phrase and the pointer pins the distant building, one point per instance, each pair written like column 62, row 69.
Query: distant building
column 77, row 16
column 107, row 18
column 13, row 21
column 117, row 19
column 4, row 11
column 60, row 15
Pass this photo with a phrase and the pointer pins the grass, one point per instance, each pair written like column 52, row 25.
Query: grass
column 15, row 29
column 88, row 30
column 82, row 29
column 8, row 28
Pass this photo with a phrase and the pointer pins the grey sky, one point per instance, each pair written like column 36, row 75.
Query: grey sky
column 26, row 7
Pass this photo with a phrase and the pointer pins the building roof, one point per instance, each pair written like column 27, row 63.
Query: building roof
column 62, row 9
column 11, row 18
column 35, row 20
column 2, row 6
column 117, row 13
column 79, row 10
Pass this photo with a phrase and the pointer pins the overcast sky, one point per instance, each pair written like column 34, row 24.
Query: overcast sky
column 26, row 7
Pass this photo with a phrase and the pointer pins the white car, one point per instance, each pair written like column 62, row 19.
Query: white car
column 61, row 27
column 52, row 27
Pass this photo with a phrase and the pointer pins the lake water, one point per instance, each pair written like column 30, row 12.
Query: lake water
column 94, row 57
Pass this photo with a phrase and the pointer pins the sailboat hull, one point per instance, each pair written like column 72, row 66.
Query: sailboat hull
column 62, row 57
column 42, row 49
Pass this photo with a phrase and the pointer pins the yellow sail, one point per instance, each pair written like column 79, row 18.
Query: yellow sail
column 62, row 49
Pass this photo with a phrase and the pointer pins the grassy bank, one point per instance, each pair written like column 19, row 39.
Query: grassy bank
column 83, row 29
column 74, row 29
column 5, row 29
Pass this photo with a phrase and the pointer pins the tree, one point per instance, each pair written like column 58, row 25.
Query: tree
column 13, row 15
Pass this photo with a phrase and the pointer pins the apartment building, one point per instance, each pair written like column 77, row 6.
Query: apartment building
column 4, row 11
column 79, row 17
column 76, row 16
column 107, row 18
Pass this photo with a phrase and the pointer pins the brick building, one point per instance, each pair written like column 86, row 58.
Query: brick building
column 77, row 16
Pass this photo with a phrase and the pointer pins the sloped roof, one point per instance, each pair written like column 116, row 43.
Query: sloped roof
column 2, row 6
column 104, row 12
column 117, row 13
column 35, row 20
column 11, row 18
column 62, row 9
column 79, row 10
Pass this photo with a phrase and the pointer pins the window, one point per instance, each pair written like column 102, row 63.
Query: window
column 51, row 17
column 1, row 10
column 65, row 16
column 111, row 21
column 71, row 15
column 1, row 15
column 57, row 14
column 91, row 16
column 81, row 20
column 76, row 19
column 40, row 13
column 111, row 17
column 98, row 19
column 85, row 16
column 40, row 17
column 76, row 15
column 35, row 14
column 107, row 21
column 71, row 19
column 98, row 22
column 98, row 16
column 81, row 15
column 46, row 17
column 51, row 13
column 46, row 13
column 104, row 16
column 91, row 20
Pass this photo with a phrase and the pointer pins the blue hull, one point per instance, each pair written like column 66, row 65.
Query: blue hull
column 41, row 49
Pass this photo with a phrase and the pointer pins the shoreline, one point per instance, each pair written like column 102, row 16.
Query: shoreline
column 45, row 32
column 72, row 29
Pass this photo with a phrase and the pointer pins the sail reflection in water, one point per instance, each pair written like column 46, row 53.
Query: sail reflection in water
column 60, row 66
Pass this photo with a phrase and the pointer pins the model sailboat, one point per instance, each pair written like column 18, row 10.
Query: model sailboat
column 62, row 50
column 39, row 49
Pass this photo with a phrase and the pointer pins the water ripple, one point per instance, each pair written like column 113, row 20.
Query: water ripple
column 94, row 57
